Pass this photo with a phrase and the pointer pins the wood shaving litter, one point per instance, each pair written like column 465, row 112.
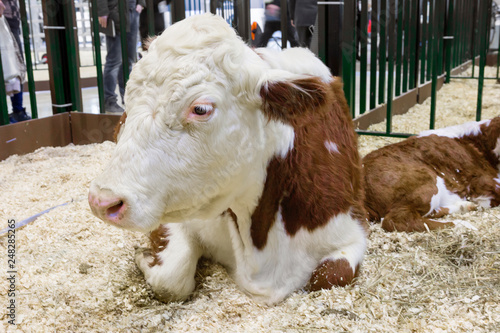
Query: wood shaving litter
column 77, row 274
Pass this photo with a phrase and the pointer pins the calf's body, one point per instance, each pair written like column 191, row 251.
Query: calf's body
column 244, row 156
column 436, row 173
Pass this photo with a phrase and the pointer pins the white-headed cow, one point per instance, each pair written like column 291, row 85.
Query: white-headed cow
column 244, row 156
column 436, row 173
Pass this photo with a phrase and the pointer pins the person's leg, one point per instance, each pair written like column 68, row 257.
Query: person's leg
column 269, row 28
column 131, row 47
column 291, row 35
column 111, row 70
column 301, row 31
column 19, row 112
column 305, row 35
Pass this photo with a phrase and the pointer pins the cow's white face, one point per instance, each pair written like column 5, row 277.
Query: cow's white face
column 194, row 138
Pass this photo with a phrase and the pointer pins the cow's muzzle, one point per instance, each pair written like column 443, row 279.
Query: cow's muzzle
column 107, row 206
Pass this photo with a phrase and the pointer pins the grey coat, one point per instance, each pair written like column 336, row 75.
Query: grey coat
column 304, row 12
column 109, row 8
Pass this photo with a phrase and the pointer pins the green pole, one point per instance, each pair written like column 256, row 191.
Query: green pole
column 448, row 40
column 424, row 42
column 55, row 41
column 414, row 21
column 373, row 60
column 406, row 47
column 434, row 68
column 475, row 32
column 485, row 8
column 123, row 12
column 97, row 53
column 27, row 56
column 399, row 47
column 72, row 54
column 4, row 119
column 348, row 51
column 364, row 55
column 430, row 36
column 383, row 51
column 390, row 79
column 151, row 17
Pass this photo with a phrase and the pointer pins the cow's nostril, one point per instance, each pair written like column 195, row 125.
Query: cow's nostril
column 114, row 211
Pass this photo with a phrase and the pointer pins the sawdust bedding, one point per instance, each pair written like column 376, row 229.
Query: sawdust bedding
column 77, row 274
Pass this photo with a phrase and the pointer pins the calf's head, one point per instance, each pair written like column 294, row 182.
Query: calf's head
column 195, row 137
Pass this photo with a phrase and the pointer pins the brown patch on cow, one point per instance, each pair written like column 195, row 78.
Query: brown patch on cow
column 311, row 184
column 159, row 241
column 119, row 126
column 400, row 179
column 486, row 141
column 332, row 273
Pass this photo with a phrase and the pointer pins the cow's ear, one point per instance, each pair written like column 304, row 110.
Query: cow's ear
column 292, row 97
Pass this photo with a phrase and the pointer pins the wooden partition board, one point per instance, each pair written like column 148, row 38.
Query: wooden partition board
column 56, row 131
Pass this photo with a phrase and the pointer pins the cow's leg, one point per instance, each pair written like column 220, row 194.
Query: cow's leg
column 170, row 265
column 485, row 190
column 407, row 218
column 340, row 267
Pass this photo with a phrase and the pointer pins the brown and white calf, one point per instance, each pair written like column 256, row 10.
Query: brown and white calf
column 436, row 173
column 248, row 157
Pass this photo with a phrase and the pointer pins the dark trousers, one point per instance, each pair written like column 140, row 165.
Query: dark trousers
column 305, row 35
column 113, row 69
column 270, row 28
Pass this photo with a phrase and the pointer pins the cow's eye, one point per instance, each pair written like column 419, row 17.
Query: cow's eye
column 201, row 110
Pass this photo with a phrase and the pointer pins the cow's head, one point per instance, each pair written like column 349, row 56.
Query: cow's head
column 196, row 137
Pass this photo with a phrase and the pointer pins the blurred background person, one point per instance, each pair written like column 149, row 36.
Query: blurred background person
column 159, row 22
column 109, row 20
column 304, row 14
column 10, row 10
column 273, row 24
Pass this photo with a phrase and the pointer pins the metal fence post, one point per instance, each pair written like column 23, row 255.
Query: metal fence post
column 97, row 53
column 434, row 57
column 329, row 35
column 284, row 23
column 349, row 53
column 449, row 39
column 485, row 9
column 27, row 57
column 383, row 51
column 363, row 40
column 150, row 13
column 62, row 54
column 390, row 79
column 124, row 17
column 373, row 58
column 178, row 10
column 242, row 19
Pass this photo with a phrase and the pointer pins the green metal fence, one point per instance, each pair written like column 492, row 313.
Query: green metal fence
column 411, row 43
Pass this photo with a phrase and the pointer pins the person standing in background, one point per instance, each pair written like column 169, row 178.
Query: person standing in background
column 273, row 24
column 159, row 23
column 304, row 14
column 109, row 20
column 10, row 9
